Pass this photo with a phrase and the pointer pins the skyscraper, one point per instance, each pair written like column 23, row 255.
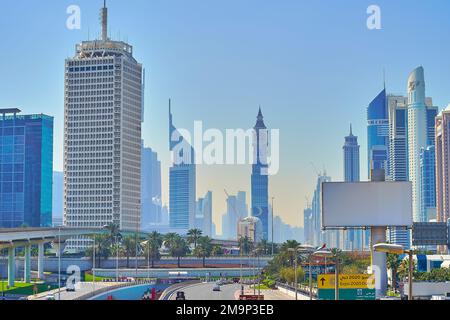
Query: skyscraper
column 398, row 138
column 260, row 178
column 443, row 165
column 307, row 226
column 428, row 183
column 351, row 238
column 203, row 214
column 150, row 187
column 236, row 210
column 102, row 135
column 318, row 237
column 378, row 134
column 419, row 135
column 26, row 163
column 182, row 181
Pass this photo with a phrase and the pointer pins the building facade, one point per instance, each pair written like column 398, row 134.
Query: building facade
column 260, row 175
column 182, row 181
column 150, row 188
column 443, row 165
column 203, row 216
column 26, row 164
column 378, row 134
column 102, row 136
column 251, row 228
column 420, row 128
column 351, row 239
column 428, row 183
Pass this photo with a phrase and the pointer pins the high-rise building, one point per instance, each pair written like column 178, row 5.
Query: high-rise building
column 236, row 210
column 150, row 188
column 308, row 226
column 250, row 227
column 26, row 163
column 203, row 216
column 443, row 165
column 318, row 237
column 398, row 138
column 378, row 134
column 351, row 239
column 102, row 136
column 182, row 181
column 420, row 127
column 428, row 183
column 260, row 175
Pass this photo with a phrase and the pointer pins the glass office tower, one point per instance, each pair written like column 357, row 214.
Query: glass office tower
column 26, row 165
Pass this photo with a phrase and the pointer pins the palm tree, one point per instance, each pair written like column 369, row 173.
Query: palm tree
column 245, row 245
column 129, row 248
column 393, row 263
column 154, row 243
column 263, row 246
column 403, row 269
column 179, row 248
column 169, row 239
column 216, row 250
column 193, row 236
column 204, row 249
column 102, row 248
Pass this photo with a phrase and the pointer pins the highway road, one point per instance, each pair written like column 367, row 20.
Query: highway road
column 204, row 291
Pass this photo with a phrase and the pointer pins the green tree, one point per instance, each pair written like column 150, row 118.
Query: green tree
column 129, row 248
column 154, row 243
column 393, row 263
column 102, row 248
column 178, row 247
column 216, row 250
column 193, row 235
column 263, row 246
column 204, row 249
column 403, row 269
column 245, row 245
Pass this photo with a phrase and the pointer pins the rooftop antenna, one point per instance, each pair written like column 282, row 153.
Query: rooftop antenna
column 384, row 78
column 104, row 20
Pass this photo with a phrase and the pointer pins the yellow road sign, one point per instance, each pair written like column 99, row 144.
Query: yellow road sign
column 347, row 281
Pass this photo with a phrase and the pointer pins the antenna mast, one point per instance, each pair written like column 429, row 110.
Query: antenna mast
column 104, row 20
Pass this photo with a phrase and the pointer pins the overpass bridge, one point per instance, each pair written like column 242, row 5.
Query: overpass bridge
column 11, row 239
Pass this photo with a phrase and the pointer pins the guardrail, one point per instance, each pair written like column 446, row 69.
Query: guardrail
column 301, row 288
column 170, row 290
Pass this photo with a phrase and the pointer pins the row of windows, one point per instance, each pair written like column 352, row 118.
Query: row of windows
column 90, row 68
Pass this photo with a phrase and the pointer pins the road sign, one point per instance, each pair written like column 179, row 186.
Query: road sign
column 347, row 294
column 347, row 281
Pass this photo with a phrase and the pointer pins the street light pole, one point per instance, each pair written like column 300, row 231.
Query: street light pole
column 310, row 277
column 93, row 266
column 59, row 263
column 272, row 224
column 295, row 276
column 410, row 276
column 337, row 278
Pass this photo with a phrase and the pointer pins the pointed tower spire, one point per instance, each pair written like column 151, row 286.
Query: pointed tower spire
column 104, row 20
column 351, row 130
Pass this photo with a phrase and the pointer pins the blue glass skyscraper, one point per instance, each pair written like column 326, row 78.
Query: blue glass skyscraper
column 428, row 183
column 26, row 169
column 260, row 178
column 378, row 134
column 182, row 181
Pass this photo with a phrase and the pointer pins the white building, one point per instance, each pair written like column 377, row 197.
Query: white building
column 421, row 116
column 102, row 135
column 252, row 228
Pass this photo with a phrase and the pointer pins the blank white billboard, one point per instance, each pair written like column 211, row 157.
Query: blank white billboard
column 366, row 204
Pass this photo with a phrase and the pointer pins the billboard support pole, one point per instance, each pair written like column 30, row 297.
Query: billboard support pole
column 378, row 235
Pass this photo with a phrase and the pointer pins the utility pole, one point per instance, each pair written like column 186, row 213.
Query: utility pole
column 272, row 226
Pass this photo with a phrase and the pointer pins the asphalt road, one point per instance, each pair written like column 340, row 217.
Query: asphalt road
column 204, row 291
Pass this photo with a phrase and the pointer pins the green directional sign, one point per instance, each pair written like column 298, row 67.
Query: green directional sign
column 347, row 294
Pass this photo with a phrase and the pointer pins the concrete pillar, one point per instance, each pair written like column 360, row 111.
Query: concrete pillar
column 378, row 235
column 41, row 261
column 27, row 265
column 11, row 266
column 379, row 269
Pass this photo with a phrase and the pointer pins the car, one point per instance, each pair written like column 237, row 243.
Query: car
column 216, row 288
column 180, row 296
column 50, row 297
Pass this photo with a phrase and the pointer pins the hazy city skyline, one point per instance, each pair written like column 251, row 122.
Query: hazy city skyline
column 229, row 66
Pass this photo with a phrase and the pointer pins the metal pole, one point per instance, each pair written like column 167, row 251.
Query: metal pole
column 136, row 250
column 295, row 276
column 148, row 260
column 272, row 225
column 117, row 258
column 59, row 263
column 337, row 278
column 310, row 277
column 410, row 277
column 259, row 277
column 93, row 267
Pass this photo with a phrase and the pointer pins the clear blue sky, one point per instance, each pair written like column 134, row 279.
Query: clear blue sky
column 312, row 65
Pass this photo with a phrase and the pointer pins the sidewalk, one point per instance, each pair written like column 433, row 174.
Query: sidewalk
column 269, row 295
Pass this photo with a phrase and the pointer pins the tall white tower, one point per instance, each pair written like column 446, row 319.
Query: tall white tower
column 102, row 136
column 417, row 134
